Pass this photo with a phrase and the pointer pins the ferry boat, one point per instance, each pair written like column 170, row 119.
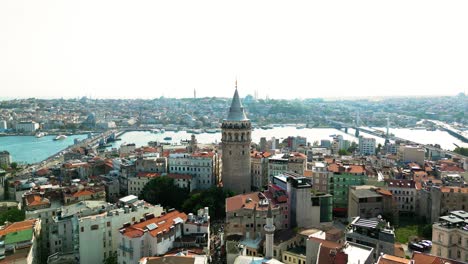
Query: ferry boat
column 60, row 137
column 40, row 134
column 210, row 131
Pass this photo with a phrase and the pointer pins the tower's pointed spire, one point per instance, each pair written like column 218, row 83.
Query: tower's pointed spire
column 236, row 112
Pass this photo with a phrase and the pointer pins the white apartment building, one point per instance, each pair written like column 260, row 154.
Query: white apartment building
column 367, row 146
column 3, row 125
column 202, row 166
column 27, row 126
column 99, row 234
column 157, row 235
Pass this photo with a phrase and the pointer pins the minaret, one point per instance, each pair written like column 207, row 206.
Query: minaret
column 387, row 135
column 236, row 139
column 269, row 233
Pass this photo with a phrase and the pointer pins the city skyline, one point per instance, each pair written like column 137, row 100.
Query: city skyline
column 303, row 50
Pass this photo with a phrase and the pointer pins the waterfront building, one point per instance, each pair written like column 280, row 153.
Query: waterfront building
column 19, row 241
column 3, row 125
column 376, row 234
column 450, row 236
column 293, row 143
column 26, row 126
column 339, row 143
column 366, row 146
column 236, row 140
column 409, row 153
column 157, row 235
column 5, row 158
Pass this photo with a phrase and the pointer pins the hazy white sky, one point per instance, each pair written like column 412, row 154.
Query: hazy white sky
column 283, row 49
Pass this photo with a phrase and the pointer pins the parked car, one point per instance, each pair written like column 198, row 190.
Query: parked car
column 416, row 246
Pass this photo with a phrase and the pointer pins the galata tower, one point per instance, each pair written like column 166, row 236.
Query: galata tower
column 236, row 139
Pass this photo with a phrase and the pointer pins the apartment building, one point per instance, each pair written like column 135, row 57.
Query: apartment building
column 157, row 235
column 202, row 166
column 259, row 169
column 450, row 236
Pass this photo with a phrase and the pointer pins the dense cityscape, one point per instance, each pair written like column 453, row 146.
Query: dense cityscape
column 361, row 194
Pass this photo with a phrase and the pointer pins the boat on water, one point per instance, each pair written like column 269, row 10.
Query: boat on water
column 40, row 134
column 301, row 126
column 168, row 138
column 210, row 131
column 60, row 137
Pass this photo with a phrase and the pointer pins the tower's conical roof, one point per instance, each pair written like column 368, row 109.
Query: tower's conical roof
column 236, row 112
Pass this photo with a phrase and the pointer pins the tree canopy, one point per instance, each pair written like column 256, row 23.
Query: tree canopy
column 163, row 191
column 461, row 151
column 12, row 215
column 214, row 198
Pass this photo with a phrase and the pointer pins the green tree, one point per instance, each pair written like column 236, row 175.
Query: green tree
column 461, row 151
column 353, row 147
column 112, row 259
column 213, row 198
column 12, row 215
column 14, row 165
column 343, row 152
column 163, row 191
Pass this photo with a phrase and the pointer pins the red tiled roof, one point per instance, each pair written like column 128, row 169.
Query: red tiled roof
column 83, row 193
column 148, row 174
column 455, row 189
column 259, row 154
column 163, row 222
column 384, row 192
column 203, row 154
column 18, row 226
column 35, row 200
column 241, row 201
column 334, row 167
column 389, row 259
column 179, row 176
column 422, row 258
